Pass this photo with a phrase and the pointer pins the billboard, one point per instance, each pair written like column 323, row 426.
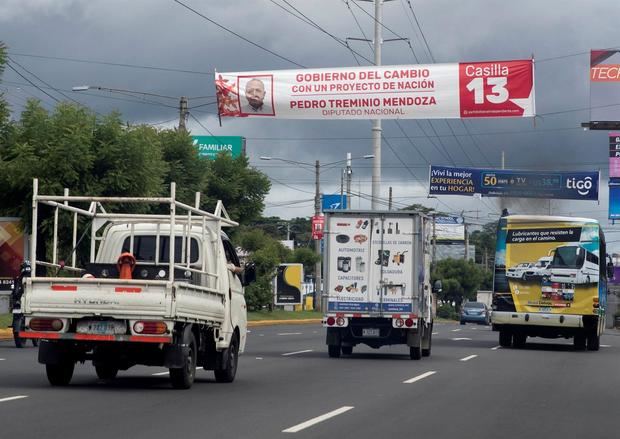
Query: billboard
column 614, row 155
column 331, row 202
column 445, row 180
column 549, row 266
column 289, row 278
column 449, row 228
column 211, row 146
column 614, row 201
column 432, row 91
column 604, row 85
column 12, row 251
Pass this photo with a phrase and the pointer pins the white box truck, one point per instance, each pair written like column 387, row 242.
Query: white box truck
column 377, row 288
column 136, row 299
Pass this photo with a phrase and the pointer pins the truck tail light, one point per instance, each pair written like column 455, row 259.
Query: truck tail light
column 409, row 323
column 39, row 324
column 149, row 327
column 399, row 323
column 340, row 321
column 331, row 321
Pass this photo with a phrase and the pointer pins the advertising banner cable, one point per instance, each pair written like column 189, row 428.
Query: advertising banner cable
column 432, row 91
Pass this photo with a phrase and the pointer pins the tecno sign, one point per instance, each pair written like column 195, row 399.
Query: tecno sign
column 583, row 186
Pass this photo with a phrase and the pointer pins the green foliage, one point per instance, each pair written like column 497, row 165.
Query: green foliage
column 484, row 240
column 241, row 189
column 460, row 278
column 305, row 256
column 447, row 311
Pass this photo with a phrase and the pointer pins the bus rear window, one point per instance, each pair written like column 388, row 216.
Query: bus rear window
column 144, row 249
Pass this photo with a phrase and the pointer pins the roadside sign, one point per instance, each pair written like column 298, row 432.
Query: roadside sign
column 211, row 146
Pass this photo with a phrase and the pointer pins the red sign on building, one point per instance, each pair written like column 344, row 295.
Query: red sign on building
column 318, row 224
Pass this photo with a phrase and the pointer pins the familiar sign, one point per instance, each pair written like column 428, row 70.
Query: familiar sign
column 431, row 91
column 446, row 180
column 289, row 278
column 333, row 202
column 211, row 146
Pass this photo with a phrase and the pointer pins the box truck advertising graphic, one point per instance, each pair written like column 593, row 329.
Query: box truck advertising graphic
column 549, row 266
column 12, row 247
column 370, row 264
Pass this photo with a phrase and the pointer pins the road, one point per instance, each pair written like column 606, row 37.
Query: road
column 288, row 387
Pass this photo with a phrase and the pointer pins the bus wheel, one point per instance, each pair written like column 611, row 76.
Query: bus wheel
column 519, row 340
column 579, row 342
column 505, row 338
column 594, row 342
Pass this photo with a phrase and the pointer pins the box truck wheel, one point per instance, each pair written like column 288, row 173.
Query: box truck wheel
column 347, row 350
column 505, row 338
column 415, row 352
column 333, row 350
column 183, row 377
column 227, row 374
column 594, row 341
column 60, row 374
column 426, row 351
column 579, row 342
column 106, row 371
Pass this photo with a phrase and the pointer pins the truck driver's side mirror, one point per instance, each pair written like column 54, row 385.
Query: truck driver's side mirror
column 437, row 286
column 610, row 270
column 249, row 274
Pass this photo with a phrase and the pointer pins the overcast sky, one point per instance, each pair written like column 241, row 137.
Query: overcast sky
column 166, row 35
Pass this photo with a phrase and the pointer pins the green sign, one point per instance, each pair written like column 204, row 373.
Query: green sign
column 211, row 146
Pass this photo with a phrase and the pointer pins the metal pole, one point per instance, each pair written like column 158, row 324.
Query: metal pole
column 390, row 199
column 318, row 297
column 376, row 124
column 349, row 173
column 466, row 241
column 434, row 255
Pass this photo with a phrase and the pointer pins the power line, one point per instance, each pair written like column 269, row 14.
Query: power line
column 237, row 35
column 32, row 83
column 106, row 63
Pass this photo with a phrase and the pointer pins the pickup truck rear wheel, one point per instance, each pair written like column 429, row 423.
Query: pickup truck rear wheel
column 59, row 374
column 106, row 371
column 594, row 342
column 579, row 342
column 505, row 338
column 333, row 350
column 183, row 377
column 347, row 350
column 227, row 375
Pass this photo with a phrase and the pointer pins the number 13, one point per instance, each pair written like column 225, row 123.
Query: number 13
column 498, row 94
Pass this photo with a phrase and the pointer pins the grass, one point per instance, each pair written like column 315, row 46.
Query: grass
column 5, row 320
column 278, row 314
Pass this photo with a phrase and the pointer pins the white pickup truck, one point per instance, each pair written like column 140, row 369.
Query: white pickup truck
column 136, row 299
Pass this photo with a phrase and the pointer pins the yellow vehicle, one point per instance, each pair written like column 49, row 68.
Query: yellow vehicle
column 567, row 300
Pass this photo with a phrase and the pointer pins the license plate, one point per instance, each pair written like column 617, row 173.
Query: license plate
column 101, row 327
column 370, row 332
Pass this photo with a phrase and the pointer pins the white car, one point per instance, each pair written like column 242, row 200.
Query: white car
column 539, row 269
column 518, row 271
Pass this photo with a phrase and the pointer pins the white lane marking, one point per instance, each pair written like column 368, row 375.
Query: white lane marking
column 248, row 331
column 603, row 346
column 160, row 373
column 2, row 359
column 290, row 333
column 461, row 338
column 313, row 421
column 468, row 358
column 455, row 330
column 296, row 352
column 11, row 398
column 435, row 333
column 419, row 377
column 259, row 358
column 315, row 332
column 495, row 348
column 261, row 335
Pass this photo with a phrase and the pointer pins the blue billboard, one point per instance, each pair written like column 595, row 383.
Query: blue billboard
column 614, row 202
column 333, row 202
column 445, row 180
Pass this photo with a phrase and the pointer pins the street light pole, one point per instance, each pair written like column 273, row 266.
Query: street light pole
column 183, row 113
column 349, row 174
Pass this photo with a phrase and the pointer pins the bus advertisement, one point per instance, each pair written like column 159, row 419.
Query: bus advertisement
column 550, row 280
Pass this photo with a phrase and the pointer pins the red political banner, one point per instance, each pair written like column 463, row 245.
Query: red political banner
column 433, row 91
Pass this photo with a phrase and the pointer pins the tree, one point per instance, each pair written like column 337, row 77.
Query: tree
column 484, row 240
column 241, row 189
column 460, row 278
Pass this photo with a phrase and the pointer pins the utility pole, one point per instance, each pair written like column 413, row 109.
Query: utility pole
column 466, row 241
column 434, row 255
column 376, row 124
column 183, row 113
column 390, row 199
column 349, row 172
column 318, row 295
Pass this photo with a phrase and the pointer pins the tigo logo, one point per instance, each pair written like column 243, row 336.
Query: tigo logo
column 583, row 186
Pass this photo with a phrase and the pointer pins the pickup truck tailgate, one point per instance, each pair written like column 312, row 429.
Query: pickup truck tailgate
column 77, row 297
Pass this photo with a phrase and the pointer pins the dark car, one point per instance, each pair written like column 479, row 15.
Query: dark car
column 475, row 312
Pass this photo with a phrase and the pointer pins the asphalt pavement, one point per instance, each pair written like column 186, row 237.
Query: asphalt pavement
column 287, row 386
